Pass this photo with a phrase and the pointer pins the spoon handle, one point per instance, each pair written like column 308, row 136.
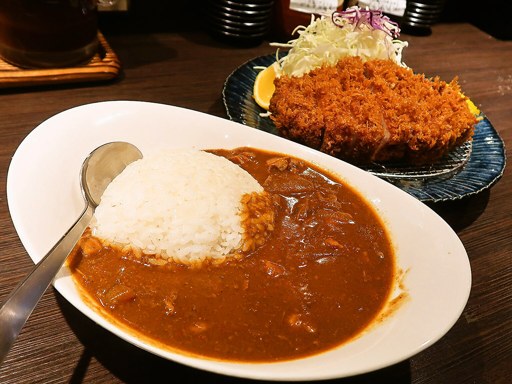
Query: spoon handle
column 24, row 298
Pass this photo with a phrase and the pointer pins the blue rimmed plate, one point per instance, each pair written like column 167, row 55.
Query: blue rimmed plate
column 476, row 168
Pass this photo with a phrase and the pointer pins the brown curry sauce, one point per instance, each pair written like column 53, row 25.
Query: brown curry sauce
column 322, row 276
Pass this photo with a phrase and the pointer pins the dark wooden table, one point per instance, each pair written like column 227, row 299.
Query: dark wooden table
column 60, row 345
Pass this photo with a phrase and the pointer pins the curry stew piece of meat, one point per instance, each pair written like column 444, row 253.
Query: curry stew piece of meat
column 322, row 276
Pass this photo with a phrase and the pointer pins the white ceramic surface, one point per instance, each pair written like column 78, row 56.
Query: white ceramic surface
column 44, row 200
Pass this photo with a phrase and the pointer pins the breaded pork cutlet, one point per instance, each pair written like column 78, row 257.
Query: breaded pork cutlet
column 373, row 111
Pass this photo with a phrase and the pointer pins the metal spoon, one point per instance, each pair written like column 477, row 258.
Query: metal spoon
column 98, row 170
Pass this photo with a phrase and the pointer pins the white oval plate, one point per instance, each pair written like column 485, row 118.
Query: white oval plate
column 44, row 200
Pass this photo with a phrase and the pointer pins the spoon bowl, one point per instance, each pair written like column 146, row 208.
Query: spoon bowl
column 102, row 166
column 98, row 170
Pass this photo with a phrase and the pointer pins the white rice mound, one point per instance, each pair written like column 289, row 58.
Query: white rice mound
column 182, row 205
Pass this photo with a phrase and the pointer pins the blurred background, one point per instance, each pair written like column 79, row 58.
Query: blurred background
column 492, row 16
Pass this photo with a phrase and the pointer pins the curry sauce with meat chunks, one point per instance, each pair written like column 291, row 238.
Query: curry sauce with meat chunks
column 324, row 273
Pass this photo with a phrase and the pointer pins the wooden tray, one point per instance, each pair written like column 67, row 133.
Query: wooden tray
column 105, row 65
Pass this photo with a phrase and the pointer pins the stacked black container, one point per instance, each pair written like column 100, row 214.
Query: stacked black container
column 243, row 22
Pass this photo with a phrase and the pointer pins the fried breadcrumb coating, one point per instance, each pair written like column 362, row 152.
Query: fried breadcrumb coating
column 375, row 111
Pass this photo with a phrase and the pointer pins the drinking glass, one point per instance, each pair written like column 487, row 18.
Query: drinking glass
column 48, row 33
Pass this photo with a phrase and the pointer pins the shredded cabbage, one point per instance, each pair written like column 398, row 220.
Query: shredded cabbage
column 327, row 39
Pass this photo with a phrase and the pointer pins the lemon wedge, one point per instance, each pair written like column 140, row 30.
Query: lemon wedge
column 264, row 88
column 472, row 107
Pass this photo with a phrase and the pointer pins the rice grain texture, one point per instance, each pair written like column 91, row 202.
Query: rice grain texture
column 182, row 205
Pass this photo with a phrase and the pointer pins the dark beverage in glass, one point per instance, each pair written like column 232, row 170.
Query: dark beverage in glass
column 48, row 33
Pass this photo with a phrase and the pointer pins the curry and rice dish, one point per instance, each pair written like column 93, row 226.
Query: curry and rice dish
column 310, row 268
